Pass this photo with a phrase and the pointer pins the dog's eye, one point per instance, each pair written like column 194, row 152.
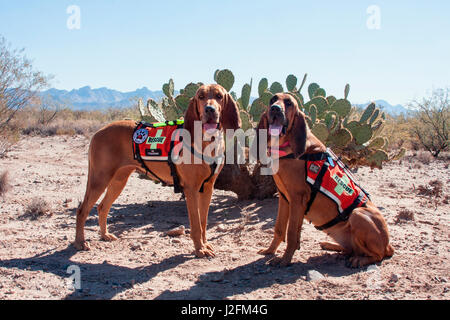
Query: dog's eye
column 219, row 96
column 201, row 97
column 273, row 100
column 288, row 103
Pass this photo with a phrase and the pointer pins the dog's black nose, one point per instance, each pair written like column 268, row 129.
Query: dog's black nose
column 275, row 108
column 210, row 109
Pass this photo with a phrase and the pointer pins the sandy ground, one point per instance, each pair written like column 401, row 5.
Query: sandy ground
column 36, row 254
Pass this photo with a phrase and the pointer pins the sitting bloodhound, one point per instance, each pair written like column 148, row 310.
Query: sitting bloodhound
column 111, row 162
column 359, row 231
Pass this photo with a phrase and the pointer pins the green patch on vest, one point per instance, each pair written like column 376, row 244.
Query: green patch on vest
column 342, row 185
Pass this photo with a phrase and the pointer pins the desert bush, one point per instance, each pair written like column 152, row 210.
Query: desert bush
column 433, row 189
column 4, row 183
column 432, row 127
column 423, row 157
column 8, row 137
column 19, row 82
column 404, row 215
column 37, row 208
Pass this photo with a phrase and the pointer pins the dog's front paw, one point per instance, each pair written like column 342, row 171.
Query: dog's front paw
column 266, row 252
column 82, row 245
column 209, row 247
column 108, row 237
column 204, row 252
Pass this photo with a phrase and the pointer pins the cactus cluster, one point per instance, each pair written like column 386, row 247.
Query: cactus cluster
column 170, row 107
column 334, row 121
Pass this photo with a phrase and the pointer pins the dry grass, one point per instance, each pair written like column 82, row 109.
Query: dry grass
column 36, row 209
column 424, row 157
column 4, row 183
column 404, row 215
column 433, row 189
column 69, row 122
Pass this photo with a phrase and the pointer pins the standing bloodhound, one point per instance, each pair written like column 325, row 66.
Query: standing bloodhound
column 363, row 235
column 111, row 162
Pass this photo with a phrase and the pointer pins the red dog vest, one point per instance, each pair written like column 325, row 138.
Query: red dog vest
column 153, row 142
column 336, row 183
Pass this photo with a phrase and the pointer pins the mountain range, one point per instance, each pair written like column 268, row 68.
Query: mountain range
column 87, row 98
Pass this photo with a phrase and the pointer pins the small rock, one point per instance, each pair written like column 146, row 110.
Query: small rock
column 175, row 241
column 372, row 268
column 394, row 278
column 136, row 246
column 313, row 275
column 176, row 232
column 221, row 228
column 213, row 277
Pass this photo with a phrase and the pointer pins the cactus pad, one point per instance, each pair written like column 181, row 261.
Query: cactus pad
column 367, row 113
column 276, row 87
column 262, row 86
column 342, row 107
column 362, row 133
column 312, row 89
column 182, row 102
column 377, row 158
column 320, row 131
column 320, row 93
column 341, row 138
column 245, row 96
column 225, row 78
column 155, row 110
column 191, row 89
column 291, row 82
column 377, row 143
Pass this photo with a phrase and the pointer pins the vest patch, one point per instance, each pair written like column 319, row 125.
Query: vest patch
column 337, row 184
column 153, row 141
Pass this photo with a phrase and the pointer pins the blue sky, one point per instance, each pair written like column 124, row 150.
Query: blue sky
column 126, row 45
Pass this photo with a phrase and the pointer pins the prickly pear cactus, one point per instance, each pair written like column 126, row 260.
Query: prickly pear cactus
column 333, row 120
column 225, row 78
column 291, row 82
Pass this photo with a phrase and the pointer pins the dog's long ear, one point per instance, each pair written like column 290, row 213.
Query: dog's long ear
column 297, row 133
column 263, row 122
column 230, row 117
column 191, row 115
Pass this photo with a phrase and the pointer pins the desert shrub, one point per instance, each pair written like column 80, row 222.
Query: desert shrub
column 423, row 157
column 37, row 208
column 4, row 183
column 432, row 125
column 404, row 215
column 433, row 189
column 19, row 82
column 8, row 137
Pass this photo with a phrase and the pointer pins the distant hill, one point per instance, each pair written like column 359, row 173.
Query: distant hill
column 87, row 98
column 387, row 107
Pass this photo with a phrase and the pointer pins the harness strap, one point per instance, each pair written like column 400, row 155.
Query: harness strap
column 345, row 214
column 315, row 188
column 173, row 171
